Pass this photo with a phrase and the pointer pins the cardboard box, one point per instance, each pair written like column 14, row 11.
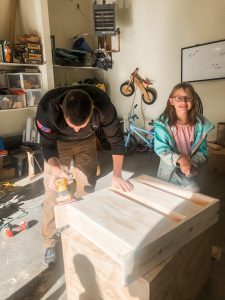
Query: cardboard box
column 216, row 160
column 7, row 173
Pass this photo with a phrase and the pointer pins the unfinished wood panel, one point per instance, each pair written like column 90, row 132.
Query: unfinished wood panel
column 140, row 229
column 173, row 189
column 92, row 275
column 153, row 197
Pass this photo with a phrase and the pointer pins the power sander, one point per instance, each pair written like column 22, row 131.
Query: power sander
column 64, row 191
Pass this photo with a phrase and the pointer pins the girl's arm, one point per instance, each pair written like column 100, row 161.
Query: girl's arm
column 201, row 155
column 164, row 146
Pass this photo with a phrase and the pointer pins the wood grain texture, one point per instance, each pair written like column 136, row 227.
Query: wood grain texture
column 92, row 275
column 140, row 229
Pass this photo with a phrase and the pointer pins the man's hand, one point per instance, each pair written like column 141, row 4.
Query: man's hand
column 117, row 181
column 185, row 165
column 120, row 183
column 56, row 172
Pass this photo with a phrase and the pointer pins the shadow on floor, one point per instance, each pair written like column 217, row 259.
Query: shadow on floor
column 13, row 202
column 40, row 286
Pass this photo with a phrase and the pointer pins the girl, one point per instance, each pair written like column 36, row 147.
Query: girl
column 180, row 138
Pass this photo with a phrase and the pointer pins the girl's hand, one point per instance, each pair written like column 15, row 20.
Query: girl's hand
column 185, row 165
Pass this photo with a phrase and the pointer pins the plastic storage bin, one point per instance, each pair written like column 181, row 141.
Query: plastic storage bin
column 3, row 80
column 12, row 101
column 33, row 97
column 24, row 80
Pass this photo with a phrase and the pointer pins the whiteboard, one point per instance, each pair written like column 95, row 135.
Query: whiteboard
column 203, row 62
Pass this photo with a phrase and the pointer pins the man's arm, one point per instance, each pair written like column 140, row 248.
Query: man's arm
column 114, row 135
column 48, row 143
column 117, row 181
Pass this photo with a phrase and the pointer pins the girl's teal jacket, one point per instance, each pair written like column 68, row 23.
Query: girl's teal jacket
column 165, row 146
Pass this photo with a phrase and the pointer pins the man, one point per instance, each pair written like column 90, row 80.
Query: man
column 67, row 119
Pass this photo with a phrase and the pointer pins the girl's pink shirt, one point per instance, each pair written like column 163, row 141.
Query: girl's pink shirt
column 184, row 136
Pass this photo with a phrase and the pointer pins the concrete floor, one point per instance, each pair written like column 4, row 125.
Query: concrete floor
column 22, row 274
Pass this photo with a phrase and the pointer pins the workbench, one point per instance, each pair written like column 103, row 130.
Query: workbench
column 153, row 243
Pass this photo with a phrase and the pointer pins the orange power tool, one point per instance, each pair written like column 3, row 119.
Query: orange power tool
column 64, row 192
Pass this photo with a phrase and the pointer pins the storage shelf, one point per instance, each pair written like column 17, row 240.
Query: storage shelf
column 19, row 65
column 74, row 67
column 16, row 109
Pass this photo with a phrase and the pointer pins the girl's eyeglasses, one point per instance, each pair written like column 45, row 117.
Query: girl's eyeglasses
column 182, row 98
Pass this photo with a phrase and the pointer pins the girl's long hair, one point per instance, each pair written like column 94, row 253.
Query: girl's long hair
column 169, row 113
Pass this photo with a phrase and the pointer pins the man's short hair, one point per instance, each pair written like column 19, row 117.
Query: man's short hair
column 77, row 106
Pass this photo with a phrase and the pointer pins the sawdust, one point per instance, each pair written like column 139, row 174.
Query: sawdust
column 7, row 187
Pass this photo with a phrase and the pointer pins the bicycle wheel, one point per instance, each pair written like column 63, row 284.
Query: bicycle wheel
column 127, row 89
column 150, row 96
column 131, row 145
column 199, row 106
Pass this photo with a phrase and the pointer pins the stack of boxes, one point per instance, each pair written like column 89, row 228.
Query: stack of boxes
column 25, row 90
column 30, row 83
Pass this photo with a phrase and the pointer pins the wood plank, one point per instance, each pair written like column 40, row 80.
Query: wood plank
column 154, row 206
column 91, row 274
column 61, row 216
column 147, row 257
column 139, row 233
column 173, row 189
column 122, row 222
column 178, row 206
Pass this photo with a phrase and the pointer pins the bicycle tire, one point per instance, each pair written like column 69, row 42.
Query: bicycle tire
column 151, row 96
column 132, row 144
column 127, row 88
column 199, row 105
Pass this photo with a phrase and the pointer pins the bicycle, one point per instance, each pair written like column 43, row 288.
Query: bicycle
column 149, row 95
column 130, row 141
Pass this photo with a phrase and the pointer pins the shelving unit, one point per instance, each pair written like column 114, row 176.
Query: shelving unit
column 17, row 109
column 74, row 24
column 13, row 121
column 69, row 75
column 73, row 67
column 20, row 64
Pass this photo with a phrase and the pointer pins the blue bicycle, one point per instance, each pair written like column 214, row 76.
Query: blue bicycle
column 130, row 141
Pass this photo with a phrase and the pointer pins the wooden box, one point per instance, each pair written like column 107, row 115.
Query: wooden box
column 92, row 275
column 217, row 160
column 138, row 230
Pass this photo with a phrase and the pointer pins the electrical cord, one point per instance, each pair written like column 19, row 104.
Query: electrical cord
column 20, row 214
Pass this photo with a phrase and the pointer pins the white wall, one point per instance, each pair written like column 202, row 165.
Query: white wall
column 152, row 35
column 67, row 20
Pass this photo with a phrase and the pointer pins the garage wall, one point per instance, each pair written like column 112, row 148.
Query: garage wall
column 152, row 34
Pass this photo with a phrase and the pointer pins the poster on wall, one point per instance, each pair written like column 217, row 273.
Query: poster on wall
column 203, row 62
